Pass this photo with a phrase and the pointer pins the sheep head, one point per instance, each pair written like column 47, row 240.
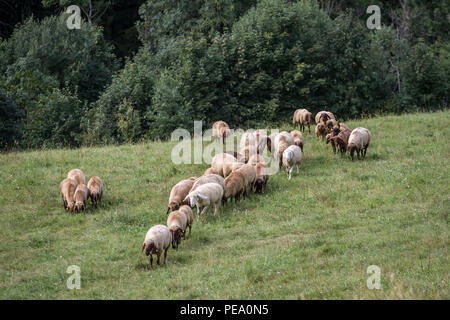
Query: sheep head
column 79, row 206
column 148, row 246
column 176, row 237
column 173, row 206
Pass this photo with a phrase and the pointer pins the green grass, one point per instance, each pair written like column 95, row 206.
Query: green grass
column 309, row 238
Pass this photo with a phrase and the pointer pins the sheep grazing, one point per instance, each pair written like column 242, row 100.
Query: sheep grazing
column 77, row 175
column 67, row 189
column 256, row 158
column 157, row 240
column 80, row 197
column 302, row 117
column 270, row 141
column 359, row 141
column 177, row 223
column 220, row 130
column 249, row 174
column 210, row 178
column 204, row 196
column 234, row 185
column 329, row 139
column 178, row 193
column 324, row 116
column 298, row 138
column 239, row 157
column 210, row 171
column 223, row 163
column 292, row 156
column 187, row 211
column 321, row 130
column 341, row 140
column 282, row 141
column 95, row 186
column 261, row 177
column 330, row 124
column 262, row 140
column 248, row 146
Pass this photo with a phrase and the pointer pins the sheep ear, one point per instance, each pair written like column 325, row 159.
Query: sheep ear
column 203, row 197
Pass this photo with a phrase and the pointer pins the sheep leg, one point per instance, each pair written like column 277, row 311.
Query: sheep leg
column 165, row 255
column 158, row 255
column 151, row 260
column 357, row 152
column 190, row 227
column 309, row 128
column 297, row 169
column 204, row 209
column 290, row 172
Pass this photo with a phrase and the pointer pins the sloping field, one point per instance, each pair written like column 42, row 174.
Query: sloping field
column 312, row 237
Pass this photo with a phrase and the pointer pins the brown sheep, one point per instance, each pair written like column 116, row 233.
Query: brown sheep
column 67, row 189
column 77, row 175
column 302, row 117
column 222, row 163
column 177, row 223
column 220, row 130
column 249, row 176
column 80, row 197
column 157, row 240
column 210, row 171
column 321, row 130
column 95, row 186
column 178, row 193
column 234, row 185
column 341, row 140
column 298, row 138
column 330, row 124
column 282, row 141
column 261, row 177
column 256, row 158
column 239, row 157
column 323, row 116
column 187, row 211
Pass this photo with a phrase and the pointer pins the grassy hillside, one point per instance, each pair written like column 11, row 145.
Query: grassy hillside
column 312, row 237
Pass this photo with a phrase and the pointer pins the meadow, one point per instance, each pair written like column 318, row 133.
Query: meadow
column 312, row 237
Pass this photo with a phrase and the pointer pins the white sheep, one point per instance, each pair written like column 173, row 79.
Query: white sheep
column 292, row 156
column 281, row 142
column 359, row 141
column 204, row 196
column 157, row 240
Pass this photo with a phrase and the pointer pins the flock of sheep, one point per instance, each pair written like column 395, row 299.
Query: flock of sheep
column 74, row 192
column 233, row 174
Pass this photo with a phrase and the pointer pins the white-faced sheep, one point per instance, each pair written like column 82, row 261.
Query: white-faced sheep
column 77, row 175
column 80, row 197
column 324, row 116
column 204, row 196
column 292, row 156
column 261, row 177
column 67, row 189
column 177, row 223
column 302, row 117
column 359, row 141
column 187, row 211
column 298, row 138
column 249, row 176
column 178, row 193
column 223, row 163
column 234, row 185
column 282, row 141
column 220, row 130
column 95, row 186
column 157, row 240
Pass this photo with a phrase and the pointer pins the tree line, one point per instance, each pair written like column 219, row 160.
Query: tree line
column 248, row 63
